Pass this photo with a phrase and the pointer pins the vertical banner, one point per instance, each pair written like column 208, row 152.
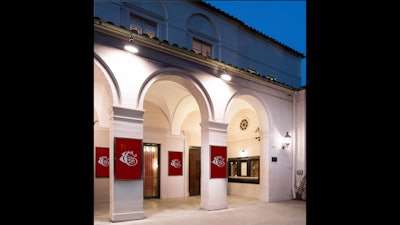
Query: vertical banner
column 102, row 162
column 128, row 159
column 174, row 163
column 218, row 161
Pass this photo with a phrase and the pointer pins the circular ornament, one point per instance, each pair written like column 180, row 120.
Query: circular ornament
column 244, row 124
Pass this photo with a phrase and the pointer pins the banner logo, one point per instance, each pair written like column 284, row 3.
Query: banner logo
column 176, row 163
column 129, row 158
column 218, row 161
column 104, row 161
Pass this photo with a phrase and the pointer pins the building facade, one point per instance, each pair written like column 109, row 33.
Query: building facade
column 168, row 126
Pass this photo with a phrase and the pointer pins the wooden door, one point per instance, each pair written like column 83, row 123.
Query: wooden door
column 194, row 171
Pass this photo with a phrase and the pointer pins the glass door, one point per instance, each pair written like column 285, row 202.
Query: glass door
column 151, row 182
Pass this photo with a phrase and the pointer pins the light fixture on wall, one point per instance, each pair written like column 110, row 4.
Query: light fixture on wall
column 130, row 47
column 286, row 141
column 225, row 75
column 258, row 131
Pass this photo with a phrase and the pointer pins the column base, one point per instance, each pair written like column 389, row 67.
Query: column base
column 120, row 217
column 214, row 206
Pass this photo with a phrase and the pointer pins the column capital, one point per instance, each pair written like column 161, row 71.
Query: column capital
column 121, row 113
column 216, row 126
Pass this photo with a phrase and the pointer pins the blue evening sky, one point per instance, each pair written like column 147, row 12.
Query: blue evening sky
column 284, row 21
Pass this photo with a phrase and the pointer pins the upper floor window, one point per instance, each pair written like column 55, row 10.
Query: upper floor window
column 201, row 47
column 142, row 25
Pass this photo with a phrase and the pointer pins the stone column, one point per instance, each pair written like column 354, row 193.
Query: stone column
column 126, row 196
column 213, row 190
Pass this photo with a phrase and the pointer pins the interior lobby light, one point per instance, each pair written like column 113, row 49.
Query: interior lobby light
column 130, row 47
column 225, row 75
column 286, row 141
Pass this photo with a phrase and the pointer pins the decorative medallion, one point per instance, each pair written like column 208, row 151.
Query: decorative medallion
column 244, row 124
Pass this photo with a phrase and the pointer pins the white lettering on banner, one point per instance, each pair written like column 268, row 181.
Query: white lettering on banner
column 219, row 161
column 176, row 163
column 129, row 158
column 104, row 161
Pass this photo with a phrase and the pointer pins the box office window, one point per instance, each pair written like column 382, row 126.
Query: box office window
column 244, row 170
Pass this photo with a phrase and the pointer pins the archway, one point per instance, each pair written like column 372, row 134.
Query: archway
column 174, row 105
column 249, row 126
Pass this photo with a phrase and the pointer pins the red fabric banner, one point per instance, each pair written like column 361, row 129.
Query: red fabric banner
column 128, row 159
column 218, row 162
column 175, row 163
column 102, row 162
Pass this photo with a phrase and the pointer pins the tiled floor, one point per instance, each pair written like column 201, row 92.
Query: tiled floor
column 186, row 211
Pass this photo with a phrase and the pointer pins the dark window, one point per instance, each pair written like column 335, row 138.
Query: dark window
column 142, row 25
column 201, row 47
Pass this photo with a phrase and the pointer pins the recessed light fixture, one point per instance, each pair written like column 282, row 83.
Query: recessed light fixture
column 225, row 75
column 130, row 47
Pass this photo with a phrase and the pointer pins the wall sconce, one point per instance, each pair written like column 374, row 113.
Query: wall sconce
column 258, row 131
column 130, row 47
column 225, row 75
column 286, row 141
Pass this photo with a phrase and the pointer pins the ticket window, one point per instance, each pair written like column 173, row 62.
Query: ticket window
column 244, row 170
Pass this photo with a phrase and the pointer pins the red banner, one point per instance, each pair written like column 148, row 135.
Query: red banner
column 128, row 159
column 218, row 161
column 102, row 162
column 175, row 163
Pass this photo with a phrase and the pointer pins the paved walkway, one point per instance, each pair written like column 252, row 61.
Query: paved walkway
column 186, row 211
